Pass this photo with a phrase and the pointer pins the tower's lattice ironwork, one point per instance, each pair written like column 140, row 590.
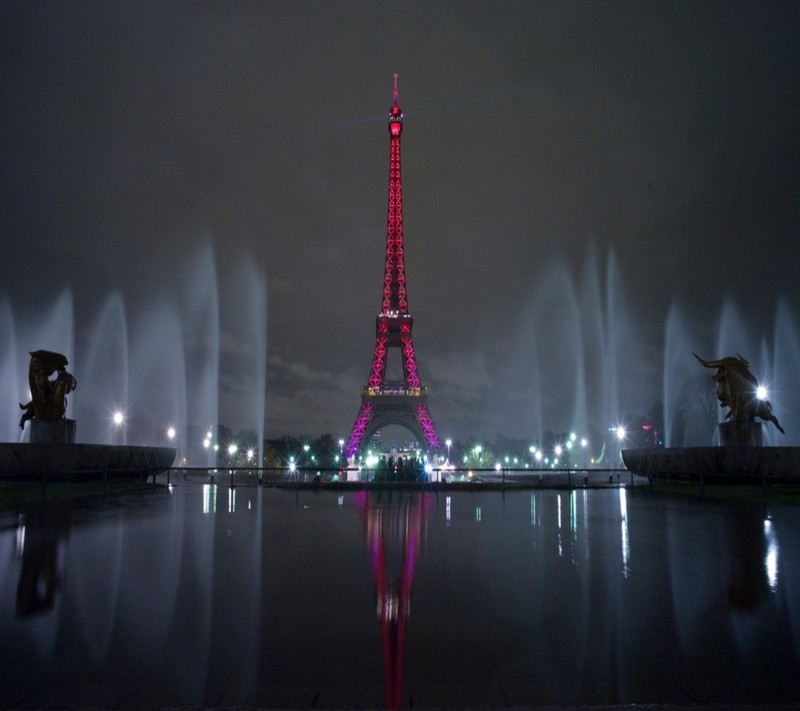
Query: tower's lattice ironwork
column 402, row 403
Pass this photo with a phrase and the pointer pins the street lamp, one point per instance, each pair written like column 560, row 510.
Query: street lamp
column 307, row 459
column 232, row 449
column 621, row 435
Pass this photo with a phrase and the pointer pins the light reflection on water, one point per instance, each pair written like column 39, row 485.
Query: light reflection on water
column 771, row 560
column 218, row 596
column 626, row 544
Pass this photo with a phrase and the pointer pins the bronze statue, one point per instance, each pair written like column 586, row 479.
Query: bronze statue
column 737, row 389
column 48, row 397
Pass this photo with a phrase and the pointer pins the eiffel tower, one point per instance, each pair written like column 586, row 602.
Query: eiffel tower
column 403, row 402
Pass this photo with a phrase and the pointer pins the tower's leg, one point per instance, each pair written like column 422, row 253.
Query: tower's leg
column 428, row 428
column 378, row 370
column 359, row 427
column 409, row 360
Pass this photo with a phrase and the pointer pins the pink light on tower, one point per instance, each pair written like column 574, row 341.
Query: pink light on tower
column 382, row 402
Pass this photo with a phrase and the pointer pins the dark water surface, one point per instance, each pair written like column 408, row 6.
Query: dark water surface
column 264, row 597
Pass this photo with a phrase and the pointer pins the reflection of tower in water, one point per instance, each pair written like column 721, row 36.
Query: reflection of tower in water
column 393, row 524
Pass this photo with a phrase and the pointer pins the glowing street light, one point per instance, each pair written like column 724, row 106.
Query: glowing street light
column 170, row 433
column 232, row 449
column 761, row 392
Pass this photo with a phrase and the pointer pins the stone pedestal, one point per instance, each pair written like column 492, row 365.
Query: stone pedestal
column 740, row 434
column 52, row 431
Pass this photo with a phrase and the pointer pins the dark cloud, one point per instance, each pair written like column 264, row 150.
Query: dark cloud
column 133, row 134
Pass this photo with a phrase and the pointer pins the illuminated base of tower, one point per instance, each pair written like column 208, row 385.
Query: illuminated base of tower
column 381, row 407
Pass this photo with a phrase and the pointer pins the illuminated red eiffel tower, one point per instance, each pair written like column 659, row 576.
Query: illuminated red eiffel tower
column 404, row 402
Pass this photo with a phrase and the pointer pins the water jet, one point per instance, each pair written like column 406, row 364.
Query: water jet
column 52, row 451
column 154, row 352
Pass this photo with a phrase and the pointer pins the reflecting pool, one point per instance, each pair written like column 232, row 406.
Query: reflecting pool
column 207, row 595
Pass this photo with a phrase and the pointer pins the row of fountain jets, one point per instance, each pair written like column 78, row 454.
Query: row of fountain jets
column 579, row 355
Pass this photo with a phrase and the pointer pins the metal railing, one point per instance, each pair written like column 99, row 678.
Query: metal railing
column 437, row 477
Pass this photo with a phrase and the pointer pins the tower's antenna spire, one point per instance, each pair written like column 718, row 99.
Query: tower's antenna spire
column 395, row 88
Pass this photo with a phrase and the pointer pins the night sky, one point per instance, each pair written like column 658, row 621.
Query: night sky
column 541, row 142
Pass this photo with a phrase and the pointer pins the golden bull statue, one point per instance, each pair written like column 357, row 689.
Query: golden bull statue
column 737, row 389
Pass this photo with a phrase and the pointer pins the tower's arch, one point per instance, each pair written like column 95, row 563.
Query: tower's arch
column 398, row 417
